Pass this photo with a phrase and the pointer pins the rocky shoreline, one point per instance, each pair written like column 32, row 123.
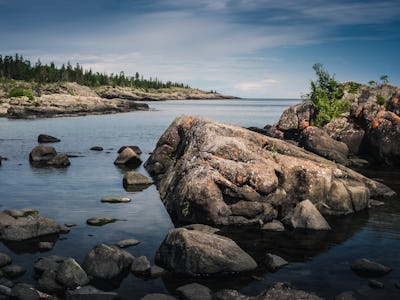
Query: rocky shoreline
column 71, row 99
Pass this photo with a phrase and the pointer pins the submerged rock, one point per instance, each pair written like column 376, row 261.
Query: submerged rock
column 195, row 253
column 218, row 174
column 116, row 199
column 375, row 284
column 194, row 291
column 366, row 267
column 100, row 221
column 106, row 262
column 44, row 138
column 127, row 243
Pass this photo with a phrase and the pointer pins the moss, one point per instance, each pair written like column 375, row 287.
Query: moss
column 380, row 99
column 20, row 92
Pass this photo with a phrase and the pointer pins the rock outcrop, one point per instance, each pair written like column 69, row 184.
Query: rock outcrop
column 219, row 174
column 371, row 127
column 195, row 253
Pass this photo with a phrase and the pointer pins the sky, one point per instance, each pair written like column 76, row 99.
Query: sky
column 245, row 48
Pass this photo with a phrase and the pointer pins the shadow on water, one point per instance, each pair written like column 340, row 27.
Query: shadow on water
column 31, row 245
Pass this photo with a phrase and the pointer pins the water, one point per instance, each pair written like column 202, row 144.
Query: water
column 320, row 262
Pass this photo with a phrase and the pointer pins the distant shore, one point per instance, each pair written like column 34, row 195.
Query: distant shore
column 71, row 99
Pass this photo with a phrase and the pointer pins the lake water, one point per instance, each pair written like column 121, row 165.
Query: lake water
column 319, row 262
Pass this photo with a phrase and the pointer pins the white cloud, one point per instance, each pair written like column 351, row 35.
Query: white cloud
column 261, row 85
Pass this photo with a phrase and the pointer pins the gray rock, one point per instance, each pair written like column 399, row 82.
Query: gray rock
column 397, row 285
column 141, row 266
column 5, row 290
column 345, row 296
column 47, row 283
column 24, row 228
column 13, row 271
column 195, row 253
column 134, row 181
column 100, row 221
column 4, row 259
column 156, row 271
column 202, row 228
column 47, row 156
column 106, row 262
column 214, row 173
column 274, row 225
column 194, row 291
column 129, row 158
column 366, row 267
column 375, row 284
column 127, row 243
column 6, row 282
column 134, row 148
column 44, row 138
column 116, row 199
column 230, row 295
column 59, row 161
column 158, row 296
column 306, row 216
column 274, row 262
column 46, row 245
column 70, row 274
column 90, row 293
column 97, row 148
column 22, row 291
column 48, row 263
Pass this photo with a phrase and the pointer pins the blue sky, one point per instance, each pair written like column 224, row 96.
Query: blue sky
column 247, row 48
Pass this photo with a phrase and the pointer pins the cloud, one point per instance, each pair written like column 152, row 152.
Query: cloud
column 256, row 85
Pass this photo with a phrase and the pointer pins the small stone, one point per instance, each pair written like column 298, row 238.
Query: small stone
column 140, row 266
column 366, row 267
column 375, row 284
column 274, row 225
column 158, row 296
column 46, row 245
column 129, row 158
column 373, row 202
column 97, row 148
column 116, row 199
column 397, row 285
column 134, row 148
column 127, row 243
column 100, row 221
column 44, row 138
column 14, row 271
column 134, row 181
column 274, row 262
column 194, row 291
column 156, row 271
column 69, row 224
column 4, row 259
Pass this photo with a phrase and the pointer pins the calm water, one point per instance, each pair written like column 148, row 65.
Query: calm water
column 319, row 262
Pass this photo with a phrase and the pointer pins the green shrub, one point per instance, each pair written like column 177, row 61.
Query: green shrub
column 353, row 87
column 326, row 97
column 20, row 92
column 380, row 99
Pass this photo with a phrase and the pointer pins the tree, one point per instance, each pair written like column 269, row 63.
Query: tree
column 326, row 97
column 372, row 83
column 384, row 78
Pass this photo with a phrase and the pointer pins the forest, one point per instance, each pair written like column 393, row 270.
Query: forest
column 18, row 68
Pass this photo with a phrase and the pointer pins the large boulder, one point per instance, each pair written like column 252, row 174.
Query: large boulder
column 218, row 174
column 129, row 158
column 47, row 156
column 196, row 253
column 26, row 227
column 106, row 262
column 318, row 141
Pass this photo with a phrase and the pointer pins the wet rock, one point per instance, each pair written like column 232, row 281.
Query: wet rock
column 137, row 150
column 346, row 296
column 230, row 295
column 23, row 228
column 274, row 262
column 274, row 225
column 48, row 263
column 158, row 296
column 397, row 285
column 195, row 253
column 5, row 290
column 6, row 282
column 194, row 291
column 202, row 228
column 97, row 148
column 106, row 262
column 46, row 245
column 129, row 158
column 156, row 271
column 127, row 243
column 70, row 274
column 70, row 224
column 4, row 259
column 140, row 266
column 44, row 138
column 41, row 156
column 22, row 291
column 306, row 216
column 318, row 141
column 90, row 293
column 134, row 181
column 116, row 199
column 375, row 284
column 366, row 267
column 13, row 271
column 47, row 283
column 214, row 173
column 100, row 221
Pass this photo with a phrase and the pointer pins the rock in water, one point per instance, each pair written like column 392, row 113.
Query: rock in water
column 41, row 156
column 219, row 174
column 116, row 199
column 195, row 253
column 44, row 138
column 134, row 181
column 106, row 262
column 128, row 158
column 274, row 262
column 194, row 291
column 70, row 274
column 89, row 292
column 134, row 148
column 366, row 267
column 100, row 221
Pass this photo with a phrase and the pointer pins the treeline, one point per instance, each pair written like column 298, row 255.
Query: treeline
column 18, row 68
